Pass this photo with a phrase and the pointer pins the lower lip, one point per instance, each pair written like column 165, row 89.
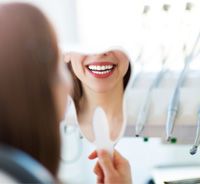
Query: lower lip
column 105, row 75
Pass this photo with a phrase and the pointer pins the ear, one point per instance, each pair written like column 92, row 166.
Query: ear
column 67, row 57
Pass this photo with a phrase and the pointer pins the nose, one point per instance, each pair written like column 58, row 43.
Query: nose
column 103, row 54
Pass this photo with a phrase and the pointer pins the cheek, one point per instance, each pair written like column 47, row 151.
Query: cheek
column 124, row 67
column 65, row 90
column 77, row 68
column 123, row 62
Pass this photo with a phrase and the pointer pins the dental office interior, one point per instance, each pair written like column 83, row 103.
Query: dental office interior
column 161, row 102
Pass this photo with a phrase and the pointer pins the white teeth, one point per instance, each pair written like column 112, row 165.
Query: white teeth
column 103, row 67
column 91, row 67
column 101, row 73
column 100, row 68
column 109, row 66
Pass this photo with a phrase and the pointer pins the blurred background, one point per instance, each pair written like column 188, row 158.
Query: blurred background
column 156, row 34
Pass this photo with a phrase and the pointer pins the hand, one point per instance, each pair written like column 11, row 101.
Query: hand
column 110, row 170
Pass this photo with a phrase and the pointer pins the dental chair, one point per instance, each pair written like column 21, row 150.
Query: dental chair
column 18, row 167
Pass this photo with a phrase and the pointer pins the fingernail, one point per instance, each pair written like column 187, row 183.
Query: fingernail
column 101, row 153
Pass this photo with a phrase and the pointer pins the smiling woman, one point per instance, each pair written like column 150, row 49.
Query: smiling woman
column 100, row 80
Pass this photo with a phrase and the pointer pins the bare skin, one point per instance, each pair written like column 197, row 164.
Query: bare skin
column 111, row 170
column 111, row 102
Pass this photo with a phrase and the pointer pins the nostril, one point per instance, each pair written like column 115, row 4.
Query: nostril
column 106, row 53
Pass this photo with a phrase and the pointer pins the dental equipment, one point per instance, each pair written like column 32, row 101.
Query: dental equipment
column 197, row 139
column 143, row 114
column 173, row 106
column 138, row 72
column 70, row 135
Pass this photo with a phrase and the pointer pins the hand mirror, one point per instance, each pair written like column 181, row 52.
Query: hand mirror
column 100, row 81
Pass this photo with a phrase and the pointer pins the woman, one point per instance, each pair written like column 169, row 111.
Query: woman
column 33, row 86
column 30, row 80
column 100, row 80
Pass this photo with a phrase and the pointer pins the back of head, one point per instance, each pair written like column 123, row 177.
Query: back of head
column 28, row 66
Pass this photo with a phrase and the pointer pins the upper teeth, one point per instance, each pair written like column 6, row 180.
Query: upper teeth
column 100, row 68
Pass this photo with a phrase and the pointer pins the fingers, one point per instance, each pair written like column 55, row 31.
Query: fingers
column 93, row 155
column 98, row 171
column 106, row 163
column 111, row 169
column 119, row 160
column 117, row 157
column 100, row 180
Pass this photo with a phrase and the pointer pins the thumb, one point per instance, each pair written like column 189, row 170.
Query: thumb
column 119, row 160
column 106, row 163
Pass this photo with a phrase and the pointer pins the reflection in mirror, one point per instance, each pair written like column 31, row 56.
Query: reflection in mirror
column 99, row 81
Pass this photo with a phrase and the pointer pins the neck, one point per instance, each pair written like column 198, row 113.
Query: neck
column 111, row 102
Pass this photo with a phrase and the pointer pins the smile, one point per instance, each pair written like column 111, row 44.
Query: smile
column 101, row 70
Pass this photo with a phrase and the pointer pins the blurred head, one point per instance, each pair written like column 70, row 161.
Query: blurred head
column 32, row 82
column 100, row 73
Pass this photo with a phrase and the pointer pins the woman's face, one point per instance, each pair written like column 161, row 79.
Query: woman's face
column 101, row 72
column 61, row 89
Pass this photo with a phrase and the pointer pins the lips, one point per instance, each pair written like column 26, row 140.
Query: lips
column 101, row 69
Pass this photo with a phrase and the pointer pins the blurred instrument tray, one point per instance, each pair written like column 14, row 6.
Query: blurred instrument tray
column 186, row 120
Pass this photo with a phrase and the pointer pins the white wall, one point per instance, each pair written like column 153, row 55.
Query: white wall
column 62, row 13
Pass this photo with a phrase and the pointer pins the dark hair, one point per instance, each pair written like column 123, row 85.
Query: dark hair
column 77, row 86
column 28, row 66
